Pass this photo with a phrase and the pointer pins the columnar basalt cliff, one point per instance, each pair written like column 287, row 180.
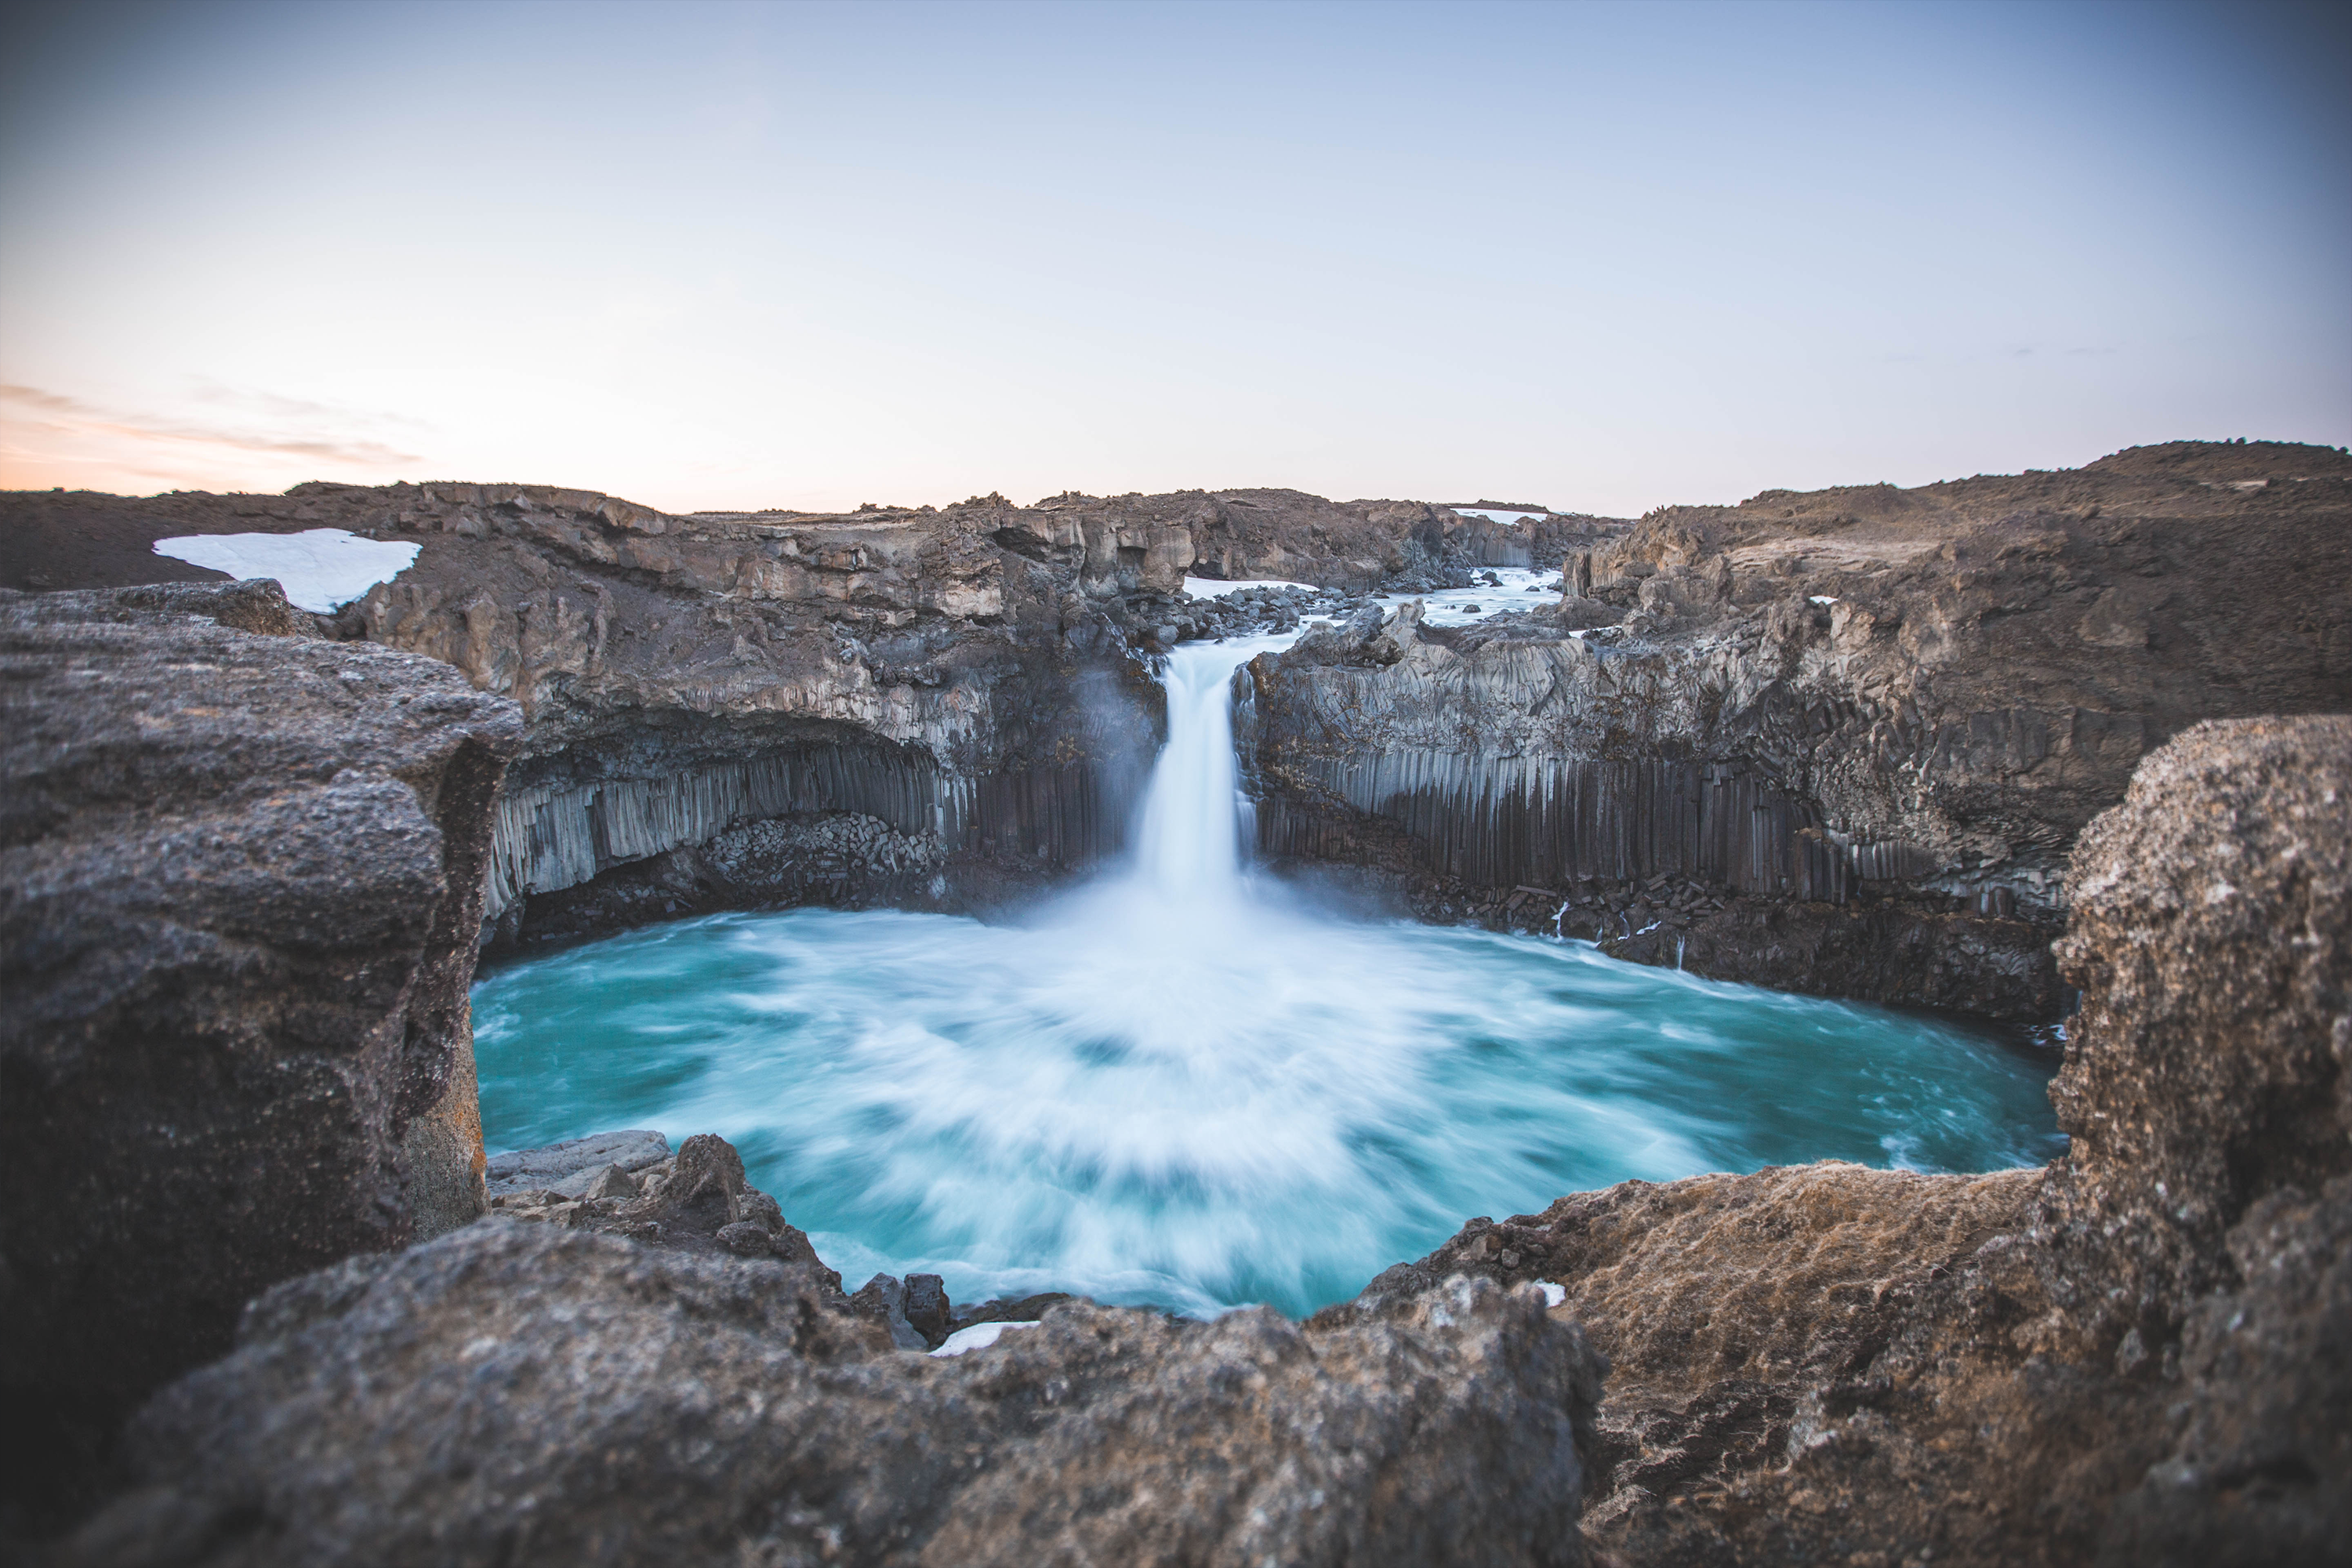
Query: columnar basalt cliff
column 1838, row 741
column 241, row 872
column 2135, row 1356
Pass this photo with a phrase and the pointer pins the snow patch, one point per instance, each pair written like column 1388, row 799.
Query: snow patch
column 1213, row 588
column 975, row 1337
column 321, row 569
column 1553, row 1294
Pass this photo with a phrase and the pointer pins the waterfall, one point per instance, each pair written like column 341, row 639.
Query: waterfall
column 1189, row 846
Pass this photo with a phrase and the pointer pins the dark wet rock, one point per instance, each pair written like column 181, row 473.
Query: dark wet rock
column 1902, row 704
column 239, row 874
column 521, row 1394
column 2137, row 1355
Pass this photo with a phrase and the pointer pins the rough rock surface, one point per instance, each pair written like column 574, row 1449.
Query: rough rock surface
column 573, row 1159
column 1839, row 742
column 697, row 1201
column 241, row 871
column 515, row 1395
column 2138, row 1355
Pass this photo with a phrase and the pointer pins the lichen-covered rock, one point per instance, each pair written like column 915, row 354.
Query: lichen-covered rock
column 2213, row 1061
column 239, row 875
column 519, row 1395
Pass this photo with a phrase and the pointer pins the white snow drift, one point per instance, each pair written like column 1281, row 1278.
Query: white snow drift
column 322, row 570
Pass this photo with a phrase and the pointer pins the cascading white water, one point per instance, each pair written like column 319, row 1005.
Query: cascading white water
column 1177, row 1086
column 1188, row 843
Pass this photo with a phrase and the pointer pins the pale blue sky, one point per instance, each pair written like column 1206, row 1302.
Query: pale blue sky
column 1599, row 257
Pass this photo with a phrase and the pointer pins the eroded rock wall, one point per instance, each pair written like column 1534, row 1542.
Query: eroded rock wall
column 243, row 875
column 971, row 673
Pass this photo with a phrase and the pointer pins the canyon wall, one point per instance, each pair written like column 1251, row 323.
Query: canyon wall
column 2137, row 1355
column 241, row 874
column 1839, row 742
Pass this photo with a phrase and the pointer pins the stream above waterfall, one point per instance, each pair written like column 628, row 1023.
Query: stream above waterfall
column 1183, row 1084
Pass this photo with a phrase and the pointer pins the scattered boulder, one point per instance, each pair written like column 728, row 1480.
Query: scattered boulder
column 698, row 1201
column 928, row 1311
column 882, row 1300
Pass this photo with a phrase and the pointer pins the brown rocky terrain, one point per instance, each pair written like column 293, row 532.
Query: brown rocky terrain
column 517, row 1394
column 1839, row 742
column 2137, row 1355
column 240, row 868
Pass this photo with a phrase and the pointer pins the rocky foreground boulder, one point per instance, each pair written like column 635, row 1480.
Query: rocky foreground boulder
column 241, row 866
column 2141, row 1354
column 516, row 1394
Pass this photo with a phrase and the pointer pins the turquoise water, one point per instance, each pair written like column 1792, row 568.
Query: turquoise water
column 1194, row 1106
column 1181, row 1086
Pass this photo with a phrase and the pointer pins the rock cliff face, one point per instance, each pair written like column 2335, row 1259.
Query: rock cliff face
column 241, row 870
column 2137, row 1355
column 969, row 680
column 1838, row 741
